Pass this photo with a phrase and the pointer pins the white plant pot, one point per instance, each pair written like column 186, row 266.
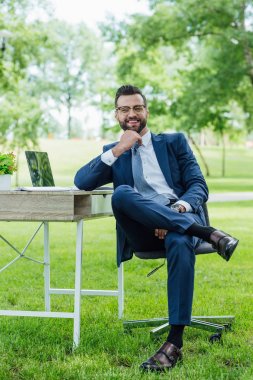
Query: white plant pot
column 5, row 182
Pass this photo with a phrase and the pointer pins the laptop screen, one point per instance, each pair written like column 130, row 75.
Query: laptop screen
column 40, row 169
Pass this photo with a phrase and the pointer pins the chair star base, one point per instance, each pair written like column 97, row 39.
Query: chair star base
column 215, row 324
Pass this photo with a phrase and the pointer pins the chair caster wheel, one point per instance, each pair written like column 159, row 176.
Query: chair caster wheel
column 215, row 338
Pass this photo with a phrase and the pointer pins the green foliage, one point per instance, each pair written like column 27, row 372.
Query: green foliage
column 194, row 60
column 21, row 115
column 194, row 56
column 45, row 68
column 7, row 163
column 23, row 44
column 69, row 73
column 21, row 119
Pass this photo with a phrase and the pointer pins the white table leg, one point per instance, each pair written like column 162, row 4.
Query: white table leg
column 78, row 280
column 120, row 290
column 46, row 266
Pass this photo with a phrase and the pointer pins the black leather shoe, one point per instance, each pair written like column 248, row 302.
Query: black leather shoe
column 164, row 359
column 223, row 243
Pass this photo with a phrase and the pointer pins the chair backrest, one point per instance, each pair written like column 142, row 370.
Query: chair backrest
column 205, row 209
column 202, row 248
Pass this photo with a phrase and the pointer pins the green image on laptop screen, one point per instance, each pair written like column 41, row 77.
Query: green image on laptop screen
column 40, row 169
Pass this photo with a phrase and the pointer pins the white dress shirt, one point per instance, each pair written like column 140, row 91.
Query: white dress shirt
column 151, row 169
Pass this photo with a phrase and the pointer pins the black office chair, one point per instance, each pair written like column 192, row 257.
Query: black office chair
column 215, row 324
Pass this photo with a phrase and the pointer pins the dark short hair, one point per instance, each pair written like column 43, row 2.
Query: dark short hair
column 128, row 89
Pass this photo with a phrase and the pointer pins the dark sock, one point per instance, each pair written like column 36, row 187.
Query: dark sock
column 176, row 335
column 202, row 232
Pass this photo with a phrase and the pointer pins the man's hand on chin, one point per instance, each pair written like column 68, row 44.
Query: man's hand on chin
column 127, row 140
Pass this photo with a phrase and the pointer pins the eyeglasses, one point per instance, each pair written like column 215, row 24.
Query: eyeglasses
column 125, row 110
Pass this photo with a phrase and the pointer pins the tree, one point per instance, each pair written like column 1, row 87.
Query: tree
column 68, row 74
column 212, row 44
column 22, row 121
column 20, row 41
column 51, row 64
column 21, row 116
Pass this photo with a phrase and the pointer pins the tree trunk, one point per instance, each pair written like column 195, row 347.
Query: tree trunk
column 102, row 128
column 69, row 106
column 200, row 155
column 223, row 161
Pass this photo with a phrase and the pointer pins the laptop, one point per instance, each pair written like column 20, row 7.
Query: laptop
column 39, row 168
column 42, row 176
column 41, row 173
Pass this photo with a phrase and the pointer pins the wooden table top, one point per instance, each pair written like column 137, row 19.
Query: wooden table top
column 69, row 205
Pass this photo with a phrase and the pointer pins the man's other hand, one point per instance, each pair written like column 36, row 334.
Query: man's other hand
column 178, row 207
column 160, row 233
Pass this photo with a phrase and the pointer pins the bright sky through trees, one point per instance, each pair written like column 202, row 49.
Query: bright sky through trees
column 93, row 11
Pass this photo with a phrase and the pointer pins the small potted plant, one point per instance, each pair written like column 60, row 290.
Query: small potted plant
column 7, row 168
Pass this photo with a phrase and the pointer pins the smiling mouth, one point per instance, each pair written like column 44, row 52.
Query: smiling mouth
column 133, row 121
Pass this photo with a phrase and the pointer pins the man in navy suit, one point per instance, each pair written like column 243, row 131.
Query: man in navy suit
column 157, row 203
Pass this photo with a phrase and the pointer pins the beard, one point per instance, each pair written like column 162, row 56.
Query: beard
column 126, row 127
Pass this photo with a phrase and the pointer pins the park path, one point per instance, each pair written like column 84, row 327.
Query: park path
column 231, row 197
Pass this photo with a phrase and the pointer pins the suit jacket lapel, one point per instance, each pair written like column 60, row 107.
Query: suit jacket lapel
column 161, row 152
column 127, row 167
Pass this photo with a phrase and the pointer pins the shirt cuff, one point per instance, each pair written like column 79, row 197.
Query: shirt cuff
column 188, row 207
column 108, row 158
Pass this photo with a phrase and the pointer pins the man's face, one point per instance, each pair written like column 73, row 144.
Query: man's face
column 131, row 113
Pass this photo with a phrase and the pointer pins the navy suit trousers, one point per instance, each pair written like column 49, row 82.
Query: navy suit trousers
column 139, row 217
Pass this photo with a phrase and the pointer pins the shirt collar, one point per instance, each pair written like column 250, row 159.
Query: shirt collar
column 146, row 138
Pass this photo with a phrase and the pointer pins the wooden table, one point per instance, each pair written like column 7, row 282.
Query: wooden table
column 58, row 206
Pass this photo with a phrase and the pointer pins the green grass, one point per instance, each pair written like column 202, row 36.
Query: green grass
column 238, row 160
column 33, row 348
column 41, row 349
column 221, row 185
column 238, row 173
column 67, row 156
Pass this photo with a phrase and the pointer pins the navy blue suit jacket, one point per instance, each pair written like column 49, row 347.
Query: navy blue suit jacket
column 179, row 168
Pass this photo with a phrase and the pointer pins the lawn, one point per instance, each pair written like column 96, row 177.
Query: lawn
column 41, row 349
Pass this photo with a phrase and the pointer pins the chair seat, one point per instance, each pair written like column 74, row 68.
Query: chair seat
column 202, row 249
